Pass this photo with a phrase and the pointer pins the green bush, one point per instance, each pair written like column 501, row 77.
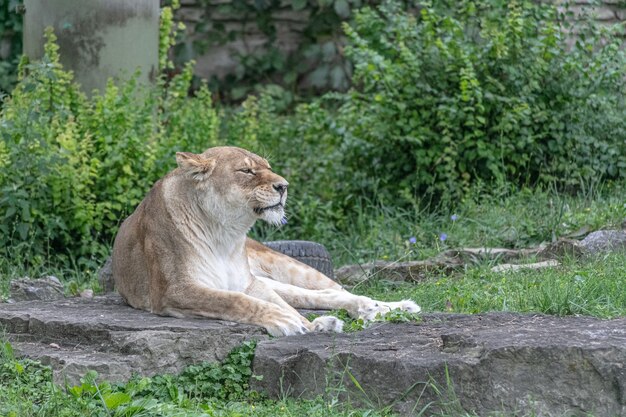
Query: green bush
column 481, row 90
column 72, row 167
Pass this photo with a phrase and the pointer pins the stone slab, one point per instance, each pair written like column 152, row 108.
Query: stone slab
column 76, row 334
column 497, row 362
column 488, row 363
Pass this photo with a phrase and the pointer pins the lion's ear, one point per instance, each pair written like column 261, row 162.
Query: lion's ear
column 197, row 166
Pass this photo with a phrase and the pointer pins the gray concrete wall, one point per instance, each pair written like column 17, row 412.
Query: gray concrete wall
column 98, row 39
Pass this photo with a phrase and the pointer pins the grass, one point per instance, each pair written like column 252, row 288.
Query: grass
column 594, row 287
column 496, row 217
column 502, row 217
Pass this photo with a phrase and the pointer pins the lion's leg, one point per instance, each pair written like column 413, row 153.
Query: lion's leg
column 331, row 299
column 260, row 288
column 265, row 262
column 197, row 300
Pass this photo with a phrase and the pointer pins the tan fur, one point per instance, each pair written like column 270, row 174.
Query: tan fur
column 184, row 251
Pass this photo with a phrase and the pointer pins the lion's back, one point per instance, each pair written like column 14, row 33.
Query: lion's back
column 130, row 253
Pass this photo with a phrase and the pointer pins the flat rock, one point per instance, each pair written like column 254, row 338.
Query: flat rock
column 45, row 289
column 603, row 241
column 484, row 363
column 77, row 334
column 488, row 363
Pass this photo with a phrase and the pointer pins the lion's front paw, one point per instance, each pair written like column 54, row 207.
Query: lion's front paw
column 380, row 309
column 327, row 324
column 285, row 324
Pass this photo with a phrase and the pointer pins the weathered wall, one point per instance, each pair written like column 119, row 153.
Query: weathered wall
column 98, row 39
column 219, row 60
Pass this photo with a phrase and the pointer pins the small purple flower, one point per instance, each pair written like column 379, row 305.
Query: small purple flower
column 443, row 237
column 413, row 240
column 283, row 220
column 454, row 217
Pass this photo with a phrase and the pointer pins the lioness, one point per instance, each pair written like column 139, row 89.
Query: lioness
column 184, row 251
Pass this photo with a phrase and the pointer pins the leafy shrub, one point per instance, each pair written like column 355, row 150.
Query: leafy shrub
column 24, row 376
column 451, row 97
column 481, row 90
column 27, row 388
column 72, row 167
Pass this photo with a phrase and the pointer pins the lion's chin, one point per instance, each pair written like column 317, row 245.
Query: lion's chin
column 273, row 215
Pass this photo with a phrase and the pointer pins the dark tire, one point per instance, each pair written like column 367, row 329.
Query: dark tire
column 313, row 254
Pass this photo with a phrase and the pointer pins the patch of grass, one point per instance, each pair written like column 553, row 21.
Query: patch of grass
column 502, row 216
column 492, row 217
column 593, row 287
column 354, row 325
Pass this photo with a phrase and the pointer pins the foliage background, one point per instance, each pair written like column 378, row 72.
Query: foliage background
column 450, row 98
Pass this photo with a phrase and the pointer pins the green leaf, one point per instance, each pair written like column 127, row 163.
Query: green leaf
column 115, row 399
column 25, row 210
column 22, row 230
column 19, row 368
column 76, row 390
column 355, row 382
column 338, row 77
column 10, row 212
column 329, row 50
column 8, row 350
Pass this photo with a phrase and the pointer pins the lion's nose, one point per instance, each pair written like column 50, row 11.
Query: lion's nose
column 281, row 187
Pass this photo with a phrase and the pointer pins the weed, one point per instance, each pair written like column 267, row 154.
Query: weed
column 225, row 381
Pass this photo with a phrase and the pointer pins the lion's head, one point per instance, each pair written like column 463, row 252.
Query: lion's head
column 235, row 182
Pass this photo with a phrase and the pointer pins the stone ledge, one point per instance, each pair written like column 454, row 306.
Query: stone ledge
column 496, row 362
column 75, row 334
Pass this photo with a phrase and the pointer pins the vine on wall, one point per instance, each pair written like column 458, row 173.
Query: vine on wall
column 316, row 63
